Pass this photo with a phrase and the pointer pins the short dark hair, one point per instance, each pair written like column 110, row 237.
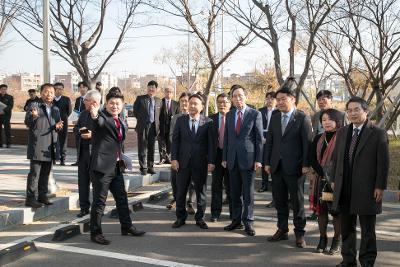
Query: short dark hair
column 235, row 87
column 84, row 84
column 59, row 84
column 152, row 82
column 32, row 91
column 184, row 94
column 115, row 89
column 324, row 93
column 285, row 90
column 114, row 94
column 198, row 97
column 359, row 100
column 45, row 85
column 3, row 85
column 333, row 114
column 270, row 94
column 223, row 95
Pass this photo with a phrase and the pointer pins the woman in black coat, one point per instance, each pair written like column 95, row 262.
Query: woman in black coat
column 320, row 159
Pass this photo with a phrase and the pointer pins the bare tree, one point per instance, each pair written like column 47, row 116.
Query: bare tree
column 176, row 59
column 364, row 37
column 76, row 29
column 294, row 21
column 8, row 11
column 201, row 18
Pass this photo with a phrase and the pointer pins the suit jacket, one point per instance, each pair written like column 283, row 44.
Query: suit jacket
column 264, row 113
column 84, row 121
column 9, row 101
column 141, row 112
column 317, row 127
column 291, row 149
column 105, row 144
column 166, row 115
column 369, row 171
column 247, row 146
column 64, row 106
column 43, row 137
column 29, row 102
column 193, row 152
column 79, row 104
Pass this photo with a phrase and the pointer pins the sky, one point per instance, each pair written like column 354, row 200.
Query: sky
column 136, row 54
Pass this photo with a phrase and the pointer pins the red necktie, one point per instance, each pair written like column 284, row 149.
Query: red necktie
column 118, row 126
column 221, row 132
column 238, row 122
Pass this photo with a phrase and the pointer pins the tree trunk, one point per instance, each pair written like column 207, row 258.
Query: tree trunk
column 208, row 89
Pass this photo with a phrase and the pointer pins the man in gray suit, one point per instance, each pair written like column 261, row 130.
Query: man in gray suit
column 242, row 155
column 359, row 172
column 44, row 122
column 286, row 158
column 146, row 109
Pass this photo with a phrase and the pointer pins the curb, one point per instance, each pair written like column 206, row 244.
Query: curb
column 26, row 215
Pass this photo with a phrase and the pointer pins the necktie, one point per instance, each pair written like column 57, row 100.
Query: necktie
column 168, row 107
column 221, row 132
column 193, row 130
column 119, row 133
column 284, row 122
column 151, row 110
column 353, row 144
column 238, row 122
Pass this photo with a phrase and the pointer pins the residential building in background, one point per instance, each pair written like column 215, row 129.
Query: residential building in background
column 23, row 81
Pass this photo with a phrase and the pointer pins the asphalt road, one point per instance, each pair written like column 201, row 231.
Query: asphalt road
column 191, row 246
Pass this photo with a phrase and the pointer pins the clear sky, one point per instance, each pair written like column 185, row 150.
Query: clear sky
column 137, row 52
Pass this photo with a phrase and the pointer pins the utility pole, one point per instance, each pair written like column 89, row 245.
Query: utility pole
column 188, row 59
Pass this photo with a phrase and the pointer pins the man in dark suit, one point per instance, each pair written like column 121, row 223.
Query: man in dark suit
column 169, row 108
column 78, row 108
column 146, row 109
column 5, row 114
column 220, row 175
column 44, row 121
column 64, row 106
column 192, row 148
column 359, row 174
column 267, row 111
column 32, row 98
column 106, row 167
column 84, row 127
column 242, row 155
column 286, row 158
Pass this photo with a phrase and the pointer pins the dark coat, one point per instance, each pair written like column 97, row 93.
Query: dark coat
column 165, row 115
column 8, row 100
column 64, row 106
column 247, row 146
column 196, row 151
column 105, row 144
column 369, row 171
column 79, row 104
column 84, row 121
column 290, row 149
column 264, row 113
column 29, row 102
column 43, row 136
column 141, row 112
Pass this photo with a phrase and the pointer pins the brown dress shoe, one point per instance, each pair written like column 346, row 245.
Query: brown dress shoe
column 99, row 239
column 171, row 205
column 190, row 209
column 278, row 236
column 300, row 242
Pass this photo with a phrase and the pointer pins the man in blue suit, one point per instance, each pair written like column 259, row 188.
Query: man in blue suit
column 242, row 155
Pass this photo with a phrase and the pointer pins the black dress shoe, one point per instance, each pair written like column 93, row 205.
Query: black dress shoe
column 214, row 219
column 178, row 223
column 234, row 225
column 167, row 161
column 271, row 204
column 33, row 204
column 62, row 162
column 278, row 236
column 262, row 189
column 82, row 213
column 99, row 239
column 45, row 201
column 143, row 172
column 76, row 164
column 151, row 171
column 202, row 224
column 249, row 229
column 132, row 231
column 344, row 264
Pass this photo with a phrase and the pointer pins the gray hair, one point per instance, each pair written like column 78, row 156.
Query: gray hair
column 94, row 95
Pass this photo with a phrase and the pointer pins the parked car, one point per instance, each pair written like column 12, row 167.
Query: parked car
column 129, row 109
